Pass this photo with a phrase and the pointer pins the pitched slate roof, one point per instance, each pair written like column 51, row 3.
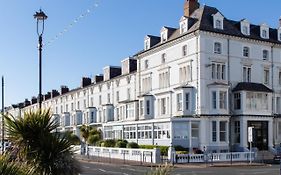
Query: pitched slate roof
column 202, row 19
column 256, row 87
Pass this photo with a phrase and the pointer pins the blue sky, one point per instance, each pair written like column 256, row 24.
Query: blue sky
column 111, row 32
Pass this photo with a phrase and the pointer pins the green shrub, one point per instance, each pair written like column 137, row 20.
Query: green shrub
column 121, row 144
column 180, row 148
column 147, row 146
column 99, row 143
column 93, row 139
column 109, row 143
column 132, row 145
column 181, row 152
column 164, row 150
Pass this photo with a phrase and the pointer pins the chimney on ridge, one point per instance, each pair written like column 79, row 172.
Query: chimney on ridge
column 190, row 6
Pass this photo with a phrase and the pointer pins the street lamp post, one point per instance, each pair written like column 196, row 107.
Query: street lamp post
column 3, row 110
column 40, row 17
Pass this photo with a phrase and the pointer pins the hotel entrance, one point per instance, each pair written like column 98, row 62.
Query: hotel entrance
column 260, row 134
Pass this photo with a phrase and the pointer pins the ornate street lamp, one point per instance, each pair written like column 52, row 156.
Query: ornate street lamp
column 40, row 17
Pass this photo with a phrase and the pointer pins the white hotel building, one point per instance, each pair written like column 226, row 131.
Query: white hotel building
column 199, row 85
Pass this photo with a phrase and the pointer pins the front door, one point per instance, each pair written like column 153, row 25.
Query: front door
column 260, row 134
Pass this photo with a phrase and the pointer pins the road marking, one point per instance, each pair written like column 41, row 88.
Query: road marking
column 86, row 167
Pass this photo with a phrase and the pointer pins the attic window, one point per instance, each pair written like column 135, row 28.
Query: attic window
column 245, row 30
column 218, row 24
column 183, row 28
column 146, row 44
column 163, row 36
column 264, row 33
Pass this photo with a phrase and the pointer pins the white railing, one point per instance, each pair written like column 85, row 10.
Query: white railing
column 76, row 149
column 141, row 155
column 214, row 157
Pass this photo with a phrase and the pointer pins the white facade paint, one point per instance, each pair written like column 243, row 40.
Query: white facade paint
column 181, row 94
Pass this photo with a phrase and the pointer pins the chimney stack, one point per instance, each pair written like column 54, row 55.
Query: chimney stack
column 64, row 89
column 86, row 81
column 190, row 6
column 54, row 93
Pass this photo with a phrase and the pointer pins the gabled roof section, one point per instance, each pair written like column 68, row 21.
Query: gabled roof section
column 254, row 87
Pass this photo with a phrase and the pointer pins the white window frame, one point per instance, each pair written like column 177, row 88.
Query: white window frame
column 266, row 74
column 184, row 50
column 179, row 102
column 214, row 131
column 214, row 99
column 146, row 64
column 218, row 71
column 218, row 24
column 265, row 54
column 163, row 58
column 246, row 51
column 217, row 47
column 223, row 100
column 223, row 131
column 246, row 73
column 187, row 101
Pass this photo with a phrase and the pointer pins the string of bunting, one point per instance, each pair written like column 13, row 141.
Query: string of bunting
column 74, row 22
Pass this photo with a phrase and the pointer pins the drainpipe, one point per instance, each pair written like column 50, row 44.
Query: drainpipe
column 197, row 72
column 272, row 87
column 229, row 94
column 272, row 81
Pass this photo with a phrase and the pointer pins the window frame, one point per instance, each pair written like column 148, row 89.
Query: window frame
column 179, row 102
column 265, row 54
column 246, row 51
column 184, row 50
column 217, row 47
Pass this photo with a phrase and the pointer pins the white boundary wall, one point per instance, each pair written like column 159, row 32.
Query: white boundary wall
column 141, row 155
column 215, row 157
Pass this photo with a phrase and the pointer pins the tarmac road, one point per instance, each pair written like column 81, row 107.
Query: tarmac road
column 93, row 168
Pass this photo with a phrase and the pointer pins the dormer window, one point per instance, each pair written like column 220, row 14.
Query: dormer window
column 245, row 27
column 164, row 35
column 218, row 24
column 183, row 28
column 183, row 25
column 218, row 21
column 264, row 34
column 264, row 31
column 146, row 43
